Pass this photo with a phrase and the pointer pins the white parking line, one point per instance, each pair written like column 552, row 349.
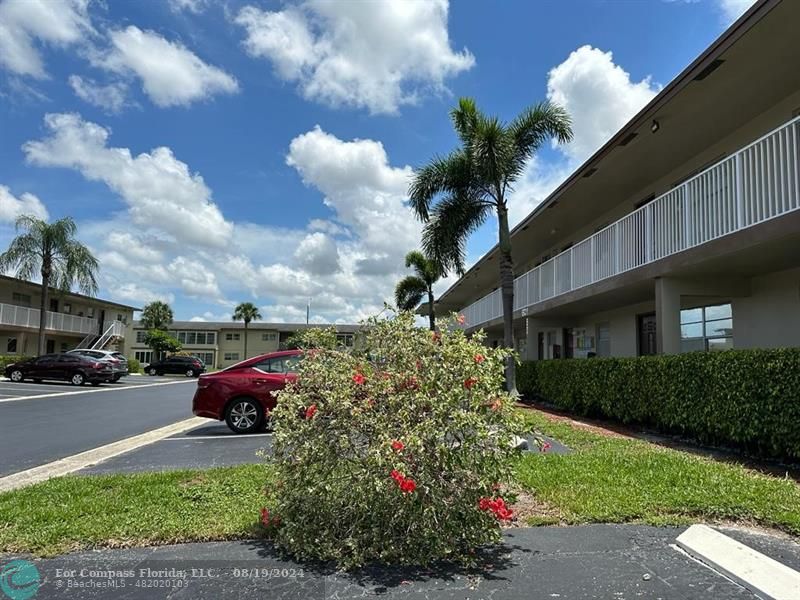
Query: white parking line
column 94, row 456
column 193, row 438
column 93, row 391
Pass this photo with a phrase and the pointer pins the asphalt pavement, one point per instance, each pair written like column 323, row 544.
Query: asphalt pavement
column 609, row 562
column 43, row 422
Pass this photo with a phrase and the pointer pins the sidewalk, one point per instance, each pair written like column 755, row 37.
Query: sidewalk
column 585, row 562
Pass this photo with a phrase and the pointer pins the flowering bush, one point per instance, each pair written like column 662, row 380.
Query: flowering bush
column 391, row 453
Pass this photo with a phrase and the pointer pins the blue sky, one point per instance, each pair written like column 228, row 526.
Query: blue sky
column 217, row 152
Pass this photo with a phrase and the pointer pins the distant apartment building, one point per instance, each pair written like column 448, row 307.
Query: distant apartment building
column 73, row 320
column 683, row 231
column 221, row 344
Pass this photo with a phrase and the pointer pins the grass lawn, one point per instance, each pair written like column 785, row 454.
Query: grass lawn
column 610, row 479
column 75, row 512
column 604, row 480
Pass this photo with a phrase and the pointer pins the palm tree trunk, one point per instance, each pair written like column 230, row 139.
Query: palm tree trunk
column 43, row 312
column 507, row 291
column 245, row 340
column 431, row 315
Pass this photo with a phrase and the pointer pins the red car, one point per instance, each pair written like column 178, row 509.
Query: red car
column 243, row 394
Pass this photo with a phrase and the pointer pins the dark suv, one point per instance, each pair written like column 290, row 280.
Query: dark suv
column 74, row 368
column 190, row 366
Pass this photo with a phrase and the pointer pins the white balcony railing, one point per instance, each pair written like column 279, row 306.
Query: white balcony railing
column 759, row 182
column 22, row 316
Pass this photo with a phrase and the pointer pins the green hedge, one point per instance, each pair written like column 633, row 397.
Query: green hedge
column 134, row 366
column 744, row 398
column 7, row 359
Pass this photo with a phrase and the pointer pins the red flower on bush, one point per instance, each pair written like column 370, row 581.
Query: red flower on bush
column 479, row 358
column 359, row 379
column 497, row 506
column 406, row 484
column 497, row 404
column 265, row 517
column 436, row 337
column 397, row 445
column 311, row 411
column 545, row 447
column 461, row 319
column 468, row 383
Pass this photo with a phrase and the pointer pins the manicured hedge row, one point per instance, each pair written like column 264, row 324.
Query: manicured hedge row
column 745, row 398
column 7, row 359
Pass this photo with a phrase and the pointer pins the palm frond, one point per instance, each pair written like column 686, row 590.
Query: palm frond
column 247, row 312
column 409, row 292
column 445, row 236
column 539, row 123
column 464, row 117
column 442, row 175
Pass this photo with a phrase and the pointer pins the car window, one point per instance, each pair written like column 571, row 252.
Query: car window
column 292, row 364
column 270, row 365
column 69, row 358
column 118, row 355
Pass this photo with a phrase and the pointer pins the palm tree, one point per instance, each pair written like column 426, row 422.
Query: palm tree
column 51, row 251
column 455, row 194
column 246, row 311
column 156, row 315
column 412, row 289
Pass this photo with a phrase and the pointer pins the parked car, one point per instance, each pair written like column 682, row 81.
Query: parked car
column 117, row 360
column 243, row 395
column 75, row 368
column 191, row 366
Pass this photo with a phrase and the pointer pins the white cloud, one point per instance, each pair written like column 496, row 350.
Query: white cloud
column 192, row 6
column 318, row 254
column 171, row 74
column 12, row 207
column 132, row 292
column 599, row 96
column 376, row 55
column 26, row 24
column 110, row 97
column 733, row 9
column 161, row 192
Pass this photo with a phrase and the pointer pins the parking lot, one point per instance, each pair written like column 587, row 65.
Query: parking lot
column 29, row 389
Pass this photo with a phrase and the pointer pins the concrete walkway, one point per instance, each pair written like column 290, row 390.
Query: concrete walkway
column 615, row 562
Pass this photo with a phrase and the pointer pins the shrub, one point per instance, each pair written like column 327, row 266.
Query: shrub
column 8, row 359
column 134, row 366
column 386, row 454
column 745, row 398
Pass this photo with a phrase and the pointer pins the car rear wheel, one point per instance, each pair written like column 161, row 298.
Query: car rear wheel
column 16, row 376
column 244, row 415
column 77, row 379
column 152, row 372
column 190, row 373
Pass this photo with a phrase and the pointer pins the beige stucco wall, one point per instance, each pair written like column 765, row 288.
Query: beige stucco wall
column 770, row 316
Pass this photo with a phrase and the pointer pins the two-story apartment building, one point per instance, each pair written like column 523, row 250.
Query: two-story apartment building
column 683, row 231
column 220, row 344
column 73, row 320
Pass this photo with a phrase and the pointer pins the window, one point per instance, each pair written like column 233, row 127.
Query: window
column 21, row 299
column 143, row 356
column 232, row 337
column 206, row 357
column 232, row 355
column 345, row 339
column 90, row 312
column 707, row 328
column 191, row 337
column 64, row 346
column 210, row 337
column 201, row 337
column 67, row 308
column 269, row 337
column 140, row 335
column 119, row 317
column 11, row 345
column 284, row 364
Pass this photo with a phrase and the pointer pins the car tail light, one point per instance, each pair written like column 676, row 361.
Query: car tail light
column 204, row 382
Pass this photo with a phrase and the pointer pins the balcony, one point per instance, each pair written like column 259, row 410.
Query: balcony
column 759, row 182
column 22, row 316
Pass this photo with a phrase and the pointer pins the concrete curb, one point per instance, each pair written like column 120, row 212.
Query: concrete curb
column 758, row 573
column 96, row 455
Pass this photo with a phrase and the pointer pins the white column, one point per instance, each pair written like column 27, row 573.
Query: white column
column 668, row 316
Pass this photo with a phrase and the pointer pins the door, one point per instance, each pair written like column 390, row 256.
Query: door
column 51, row 346
column 266, row 378
column 53, row 304
column 647, row 335
column 540, row 342
column 65, row 365
column 43, row 367
column 569, row 343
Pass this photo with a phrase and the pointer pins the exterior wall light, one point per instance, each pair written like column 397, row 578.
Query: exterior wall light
column 655, row 126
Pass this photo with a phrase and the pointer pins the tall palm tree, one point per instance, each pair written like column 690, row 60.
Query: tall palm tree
column 156, row 315
column 51, row 251
column 455, row 194
column 410, row 290
column 247, row 312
